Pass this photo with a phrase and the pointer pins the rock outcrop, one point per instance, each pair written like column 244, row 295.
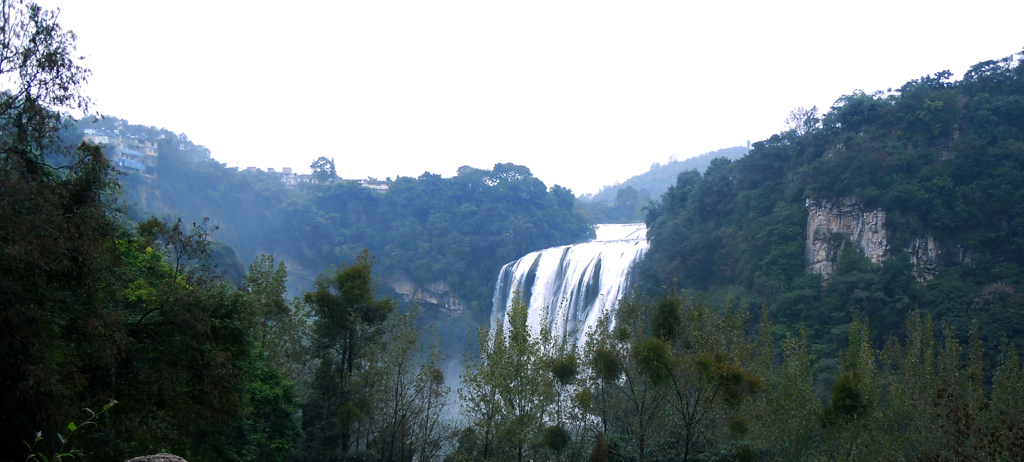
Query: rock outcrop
column 436, row 294
column 162, row 457
column 830, row 225
column 924, row 255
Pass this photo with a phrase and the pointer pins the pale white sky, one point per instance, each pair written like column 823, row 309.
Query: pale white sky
column 584, row 93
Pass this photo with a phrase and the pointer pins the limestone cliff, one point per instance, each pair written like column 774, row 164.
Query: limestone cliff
column 831, row 224
column 924, row 255
column 436, row 294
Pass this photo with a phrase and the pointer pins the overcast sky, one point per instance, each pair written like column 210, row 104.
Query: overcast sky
column 584, row 93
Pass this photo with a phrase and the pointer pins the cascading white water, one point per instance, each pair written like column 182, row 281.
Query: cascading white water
column 568, row 287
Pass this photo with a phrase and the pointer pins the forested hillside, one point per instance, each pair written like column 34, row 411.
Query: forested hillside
column 455, row 231
column 937, row 164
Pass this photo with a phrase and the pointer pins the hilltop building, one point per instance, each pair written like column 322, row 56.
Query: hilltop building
column 379, row 186
column 127, row 153
column 290, row 179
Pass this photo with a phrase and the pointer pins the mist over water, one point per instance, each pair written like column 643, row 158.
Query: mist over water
column 567, row 288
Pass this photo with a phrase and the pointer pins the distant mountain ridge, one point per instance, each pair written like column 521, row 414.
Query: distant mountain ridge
column 658, row 179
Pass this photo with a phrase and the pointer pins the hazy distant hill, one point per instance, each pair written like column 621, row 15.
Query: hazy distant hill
column 657, row 180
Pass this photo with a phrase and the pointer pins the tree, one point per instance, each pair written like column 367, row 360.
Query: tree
column 56, row 252
column 38, row 63
column 803, row 120
column 672, row 378
column 323, row 170
column 408, row 394
column 281, row 327
column 188, row 372
column 623, row 399
column 508, row 393
column 348, row 319
column 853, row 403
column 790, row 423
column 55, row 230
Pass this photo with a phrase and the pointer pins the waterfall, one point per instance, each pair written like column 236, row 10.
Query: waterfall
column 568, row 288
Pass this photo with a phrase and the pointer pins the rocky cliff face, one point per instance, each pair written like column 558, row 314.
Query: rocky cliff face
column 831, row 224
column 437, row 294
column 924, row 255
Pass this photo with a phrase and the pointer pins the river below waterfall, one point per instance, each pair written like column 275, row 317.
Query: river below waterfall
column 568, row 288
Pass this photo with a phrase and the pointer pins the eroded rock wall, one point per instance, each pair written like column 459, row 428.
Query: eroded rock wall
column 924, row 255
column 831, row 224
column 437, row 293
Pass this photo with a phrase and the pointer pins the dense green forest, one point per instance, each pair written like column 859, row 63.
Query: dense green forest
column 680, row 379
column 943, row 159
column 457, row 231
column 124, row 334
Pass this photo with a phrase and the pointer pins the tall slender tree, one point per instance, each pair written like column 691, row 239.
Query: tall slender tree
column 348, row 320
